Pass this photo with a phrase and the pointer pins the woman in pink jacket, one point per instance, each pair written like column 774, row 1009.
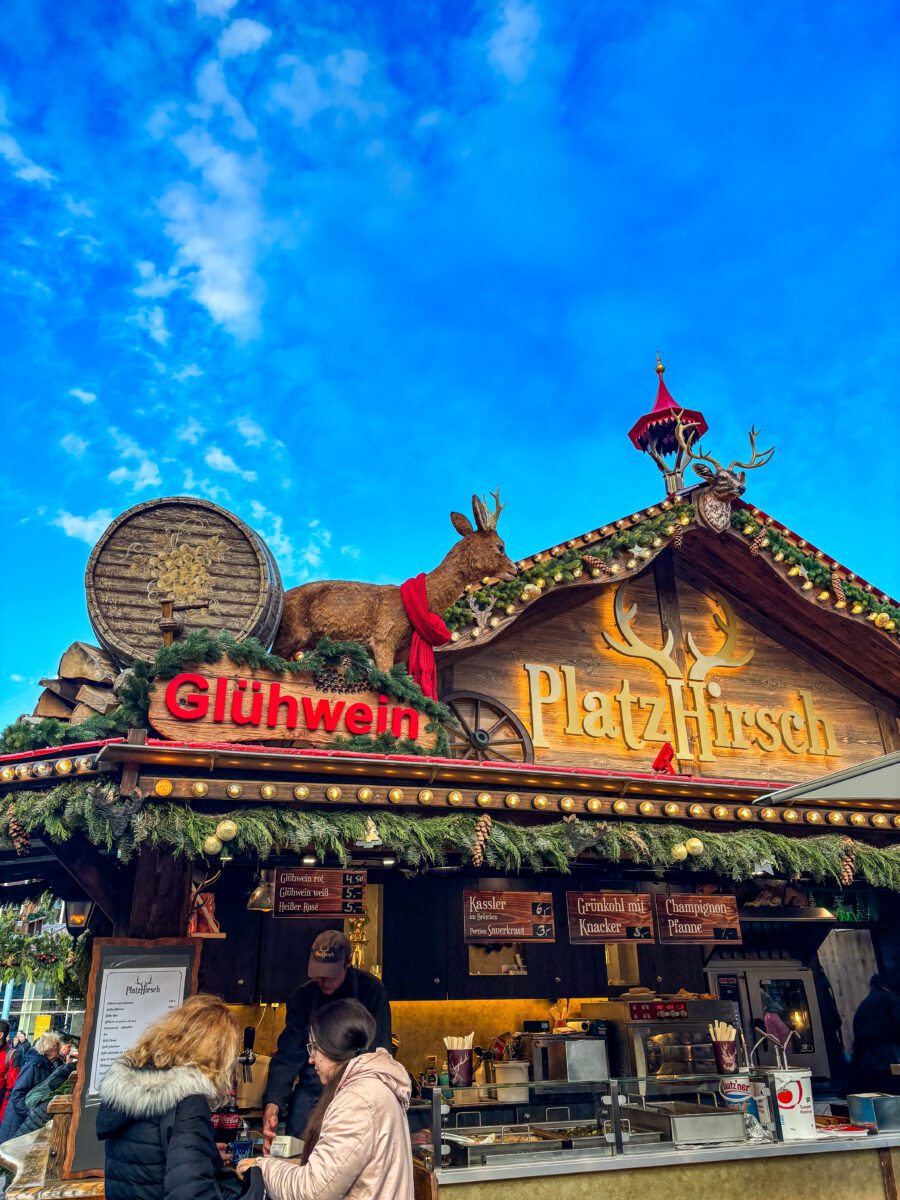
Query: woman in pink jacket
column 356, row 1143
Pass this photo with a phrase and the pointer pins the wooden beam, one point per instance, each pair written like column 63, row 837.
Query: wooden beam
column 160, row 898
column 890, row 733
column 86, row 865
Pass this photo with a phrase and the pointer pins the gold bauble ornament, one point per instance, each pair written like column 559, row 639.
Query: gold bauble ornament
column 680, row 852
column 694, row 846
column 226, row 831
column 212, row 845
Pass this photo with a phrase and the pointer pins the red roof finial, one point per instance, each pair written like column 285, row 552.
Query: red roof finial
column 654, row 432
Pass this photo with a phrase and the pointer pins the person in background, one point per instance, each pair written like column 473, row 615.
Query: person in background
column 156, row 1106
column 876, row 1040
column 5, row 1055
column 38, row 1099
column 330, row 978
column 37, row 1065
column 356, row 1142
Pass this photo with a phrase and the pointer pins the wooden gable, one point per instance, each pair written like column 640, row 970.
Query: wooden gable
column 597, row 680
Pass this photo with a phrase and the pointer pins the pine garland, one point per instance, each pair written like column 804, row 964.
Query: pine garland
column 568, row 566
column 421, row 840
column 884, row 616
column 46, row 957
column 200, row 647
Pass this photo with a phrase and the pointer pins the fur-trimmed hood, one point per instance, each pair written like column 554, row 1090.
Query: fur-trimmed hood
column 145, row 1093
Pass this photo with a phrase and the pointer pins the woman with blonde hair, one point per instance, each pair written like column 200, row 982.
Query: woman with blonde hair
column 356, row 1142
column 156, row 1106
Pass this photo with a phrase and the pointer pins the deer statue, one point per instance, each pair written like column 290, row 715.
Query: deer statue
column 374, row 614
column 725, row 483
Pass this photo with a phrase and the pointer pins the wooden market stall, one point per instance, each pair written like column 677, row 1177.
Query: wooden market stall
column 609, row 759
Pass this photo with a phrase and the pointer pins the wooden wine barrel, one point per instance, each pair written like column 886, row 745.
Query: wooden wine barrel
column 216, row 571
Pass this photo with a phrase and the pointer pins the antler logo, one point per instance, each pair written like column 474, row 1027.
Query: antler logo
column 690, row 712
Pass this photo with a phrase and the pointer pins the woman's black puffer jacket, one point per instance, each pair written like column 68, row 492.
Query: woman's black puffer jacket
column 158, row 1133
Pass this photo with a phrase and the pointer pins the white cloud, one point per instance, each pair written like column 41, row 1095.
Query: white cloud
column 252, row 433
column 350, row 551
column 243, row 37
column 153, row 320
column 213, row 93
column 154, row 286
column 216, row 493
column 85, row 529
column 17, row 678
column 220, row 461
column 73, row 444
column 191, row 371
column 82, row 395
column 215, row 8
column 191, row 432
column 145, row 474
column 78, row 208
column 336, row 82
column 511, row 47
column 22, row 166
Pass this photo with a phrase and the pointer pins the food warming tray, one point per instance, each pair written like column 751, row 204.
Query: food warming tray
column 476, row 1148
column 686, row 1124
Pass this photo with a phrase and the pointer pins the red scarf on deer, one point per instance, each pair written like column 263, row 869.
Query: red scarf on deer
column 428, row 631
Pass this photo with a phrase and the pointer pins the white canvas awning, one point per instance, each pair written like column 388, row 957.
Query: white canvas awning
column 874, row 782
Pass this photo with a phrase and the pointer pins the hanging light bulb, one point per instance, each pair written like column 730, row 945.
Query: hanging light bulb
column 262, row 898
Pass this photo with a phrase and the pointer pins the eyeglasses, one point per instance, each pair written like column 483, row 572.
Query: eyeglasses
column 310, row 1046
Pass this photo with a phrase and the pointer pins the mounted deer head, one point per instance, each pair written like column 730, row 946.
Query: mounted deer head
column 725, row 484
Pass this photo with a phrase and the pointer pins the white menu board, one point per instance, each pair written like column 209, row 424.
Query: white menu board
column 131, row 999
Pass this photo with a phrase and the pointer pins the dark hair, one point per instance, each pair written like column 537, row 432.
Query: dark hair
column 4, row 1029
column 342, row 1030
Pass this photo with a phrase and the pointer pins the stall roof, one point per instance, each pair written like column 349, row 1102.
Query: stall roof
column 874, row 782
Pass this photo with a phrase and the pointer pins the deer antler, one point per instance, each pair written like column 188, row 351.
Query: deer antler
column 701, row 456
column 486, row 518
column 634, row 647
column 481, row 614
column 725, row 656
column 756, row 460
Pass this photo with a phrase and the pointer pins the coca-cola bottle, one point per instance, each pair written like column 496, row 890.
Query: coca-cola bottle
column 226, row 1120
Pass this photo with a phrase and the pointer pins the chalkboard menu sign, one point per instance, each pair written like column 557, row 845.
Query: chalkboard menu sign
column 316, row 892
column 132, row 985
column 596, row 918
column 696, row 919
column 508, row 917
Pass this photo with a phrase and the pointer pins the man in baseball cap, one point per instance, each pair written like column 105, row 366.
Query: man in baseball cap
column 330, row 978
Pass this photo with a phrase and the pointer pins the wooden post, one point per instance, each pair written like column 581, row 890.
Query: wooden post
column 160, row 898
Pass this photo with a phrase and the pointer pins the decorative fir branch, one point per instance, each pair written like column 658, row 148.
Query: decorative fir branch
column 49, row 957
column 883, row 615
column 427, row 841
column 568, row 565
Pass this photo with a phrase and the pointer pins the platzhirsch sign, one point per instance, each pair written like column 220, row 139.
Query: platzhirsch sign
column 230, row 706
column 692, row 710
column 599, row 917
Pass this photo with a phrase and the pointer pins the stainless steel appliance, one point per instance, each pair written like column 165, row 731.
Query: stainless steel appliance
column 686, row 1124
column 571, row 1057
column 778, row 998
column 655, row 1036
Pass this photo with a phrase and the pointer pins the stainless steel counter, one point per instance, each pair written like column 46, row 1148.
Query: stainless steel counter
column 668, row 1158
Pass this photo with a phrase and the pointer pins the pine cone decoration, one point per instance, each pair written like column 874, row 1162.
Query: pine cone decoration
column 756, row 544
column 18, row 834
column 592, row 563
column 848, row 863
column 678, row 537
column 482, row 833
column 334, row 679
column 838, row 588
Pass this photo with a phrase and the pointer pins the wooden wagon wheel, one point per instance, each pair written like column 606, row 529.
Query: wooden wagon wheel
column 487, row 729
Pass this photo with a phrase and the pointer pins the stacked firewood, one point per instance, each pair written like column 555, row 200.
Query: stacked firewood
column 82, row 687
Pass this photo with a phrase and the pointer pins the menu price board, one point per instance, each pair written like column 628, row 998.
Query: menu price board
column 131, row 999
column 696, row 919
column 596, row 918
column 508, row 917
column 319, row 892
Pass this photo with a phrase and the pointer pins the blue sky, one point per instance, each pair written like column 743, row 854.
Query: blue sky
column 339, row 266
